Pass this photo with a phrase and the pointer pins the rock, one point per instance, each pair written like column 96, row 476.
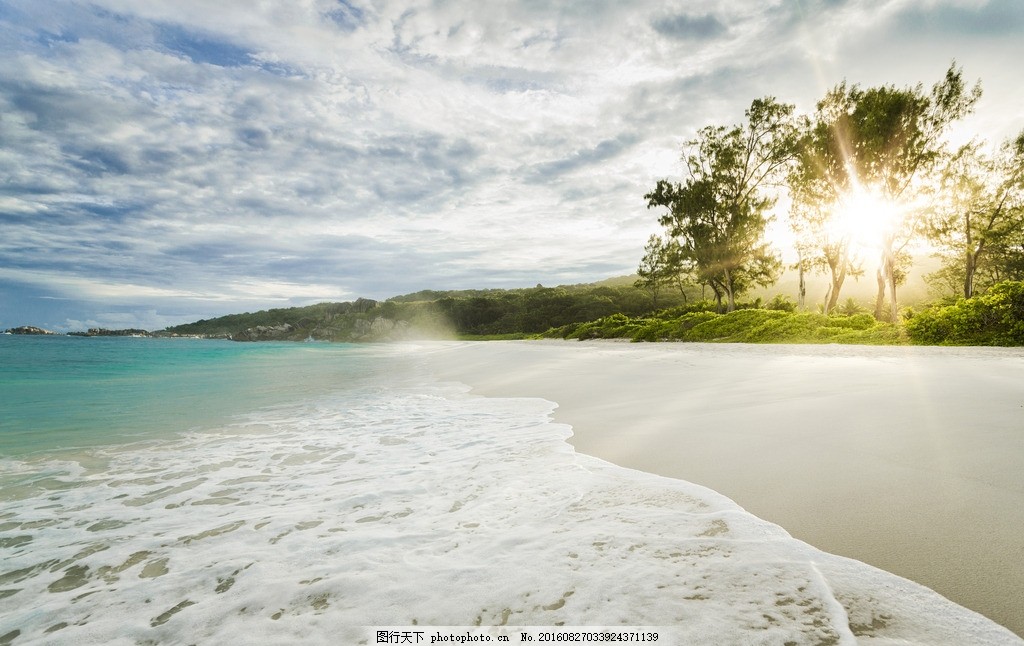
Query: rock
column 381, row 326
column 377, row 329
column 281, row 332
column 363, row 305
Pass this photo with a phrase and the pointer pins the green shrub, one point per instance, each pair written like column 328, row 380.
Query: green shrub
column 733, row 326
column 616, row 326
column 781, row 303
column 993, row 318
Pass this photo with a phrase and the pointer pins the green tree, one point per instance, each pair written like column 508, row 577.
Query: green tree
column 719, row 214
column 881, row 141
column 822, row 245
column 664, row 264
column 653, row 271
column 979, row 222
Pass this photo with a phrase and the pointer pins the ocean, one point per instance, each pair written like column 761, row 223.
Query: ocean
column 177, row 491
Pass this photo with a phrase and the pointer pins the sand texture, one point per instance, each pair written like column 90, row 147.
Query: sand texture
column 908, row 459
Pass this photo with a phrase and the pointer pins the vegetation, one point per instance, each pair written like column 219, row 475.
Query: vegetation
column 865, row 160
column 867, row 177
column 993, row 318
column 499, row 313
column 978, row 221
column 751, row 325
column 717, row 217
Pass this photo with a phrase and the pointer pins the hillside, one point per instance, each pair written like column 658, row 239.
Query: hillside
column 433, row 314
column 475, row 313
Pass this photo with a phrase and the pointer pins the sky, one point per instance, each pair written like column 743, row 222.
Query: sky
column 163, row 161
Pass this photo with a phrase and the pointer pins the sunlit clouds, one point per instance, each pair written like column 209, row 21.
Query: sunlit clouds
column 186, row 159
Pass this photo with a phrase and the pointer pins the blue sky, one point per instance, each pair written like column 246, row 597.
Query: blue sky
column 165, row 161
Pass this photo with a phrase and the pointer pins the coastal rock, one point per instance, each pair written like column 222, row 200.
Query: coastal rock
column 379, row 329
column 281, row 332
column 28, row 329
column 363, row 305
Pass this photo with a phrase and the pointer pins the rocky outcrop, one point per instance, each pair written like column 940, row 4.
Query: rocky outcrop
column 379, row 329
column 283, row 332
column 28, row 329
column 363, row 305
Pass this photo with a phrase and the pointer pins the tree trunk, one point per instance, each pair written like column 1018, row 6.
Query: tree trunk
column 682, row 287
column 972, row 265
column 880, row 297
column 802, row 294
column 894, row 309
column 837, row 284
column 972, row 259
column 729, row 292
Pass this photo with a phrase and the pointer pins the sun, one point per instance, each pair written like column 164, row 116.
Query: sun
column 865, row 217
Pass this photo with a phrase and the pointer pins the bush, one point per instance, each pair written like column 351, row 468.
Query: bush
column 744, row 326
column 781, row 303
column 993, row 318
column 615, row 326
column 734, row 326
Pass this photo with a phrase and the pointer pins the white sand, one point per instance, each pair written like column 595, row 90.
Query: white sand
column 909, row 459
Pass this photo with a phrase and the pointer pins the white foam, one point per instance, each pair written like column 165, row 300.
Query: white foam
column 419, row 505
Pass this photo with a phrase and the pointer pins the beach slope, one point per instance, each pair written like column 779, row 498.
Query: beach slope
column 905, row 458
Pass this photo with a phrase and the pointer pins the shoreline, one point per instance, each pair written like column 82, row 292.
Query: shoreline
column 903, row 457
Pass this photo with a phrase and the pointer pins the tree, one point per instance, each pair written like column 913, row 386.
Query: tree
column 820, row 245
column 980, row 222
column 719, row 214
column 881, row 142
column 654, row 270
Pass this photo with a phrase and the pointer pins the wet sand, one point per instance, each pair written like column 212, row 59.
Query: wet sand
column 909, row 459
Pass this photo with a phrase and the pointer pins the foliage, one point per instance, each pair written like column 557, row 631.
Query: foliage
column 782, row 303
column 719, row 214
column 993, row 318
column 498, row 313
column 850, row 307
column 744, row 325
column 881, row 141
column 978, row 223
column 665, row 263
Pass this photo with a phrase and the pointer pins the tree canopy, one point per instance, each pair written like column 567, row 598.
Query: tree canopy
column 870, row 154
column 861, row 176
column 720, row 212
column 978, row 222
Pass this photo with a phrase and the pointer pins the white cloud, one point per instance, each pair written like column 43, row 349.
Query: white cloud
column 191, row 150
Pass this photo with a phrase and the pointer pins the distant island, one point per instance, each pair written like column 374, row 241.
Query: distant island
column 105, row 332
column 33, row 330
column 28, row 329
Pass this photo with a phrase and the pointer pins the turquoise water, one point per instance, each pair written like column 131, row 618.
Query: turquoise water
column 69, row 392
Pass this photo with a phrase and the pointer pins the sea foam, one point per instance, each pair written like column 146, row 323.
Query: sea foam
column 415, row 504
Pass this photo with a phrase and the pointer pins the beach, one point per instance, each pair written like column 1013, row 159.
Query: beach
column 909, row 459
column 321, row 493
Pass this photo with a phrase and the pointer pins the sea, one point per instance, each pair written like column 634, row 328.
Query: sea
column 186, row 491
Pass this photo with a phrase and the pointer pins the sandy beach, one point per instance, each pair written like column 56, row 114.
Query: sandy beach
column 908, row 459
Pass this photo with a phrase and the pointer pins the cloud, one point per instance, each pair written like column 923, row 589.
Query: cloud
column 689, row 27
column 993, row 18
column 581, row 159
column 182, row 155
column 200, row 48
